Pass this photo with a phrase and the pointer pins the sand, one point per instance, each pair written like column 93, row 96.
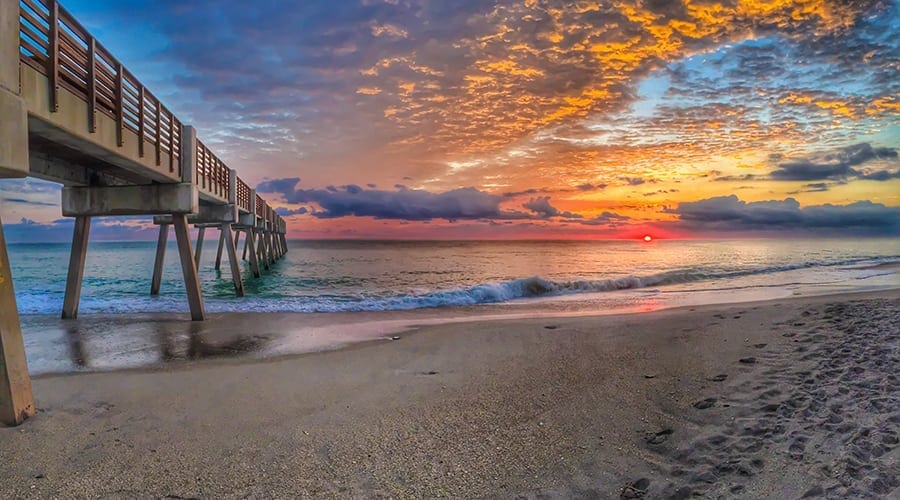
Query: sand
column 798, row 398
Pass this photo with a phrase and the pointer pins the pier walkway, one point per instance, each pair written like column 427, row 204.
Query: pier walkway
column 72, row 114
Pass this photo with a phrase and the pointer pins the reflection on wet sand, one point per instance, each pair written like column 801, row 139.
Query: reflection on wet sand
column 104, row 343
column 194, row 345
column 76, row 347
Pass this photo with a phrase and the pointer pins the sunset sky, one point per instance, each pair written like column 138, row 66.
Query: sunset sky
column 525, row 118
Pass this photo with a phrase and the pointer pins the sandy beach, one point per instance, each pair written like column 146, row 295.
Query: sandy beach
column 787, row 399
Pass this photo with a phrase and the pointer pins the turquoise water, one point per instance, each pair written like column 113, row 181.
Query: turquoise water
column 337, row 276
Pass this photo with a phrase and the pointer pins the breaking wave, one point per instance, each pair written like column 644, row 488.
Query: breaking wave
column 486, row 293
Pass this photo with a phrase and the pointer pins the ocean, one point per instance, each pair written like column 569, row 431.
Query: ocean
column 346, row 276
column 354, row 291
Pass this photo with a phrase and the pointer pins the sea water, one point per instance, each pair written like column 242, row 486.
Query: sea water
column 343, row 276
column 349, row 291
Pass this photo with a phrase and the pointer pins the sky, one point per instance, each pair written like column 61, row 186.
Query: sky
column 524, row 118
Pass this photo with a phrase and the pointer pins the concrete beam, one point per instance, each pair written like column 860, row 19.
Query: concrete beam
column 130, row 200
column 51, row 168
column 207, row 214
column 13, row 129
column 16, row 399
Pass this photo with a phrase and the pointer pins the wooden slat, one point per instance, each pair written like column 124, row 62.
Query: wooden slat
column 53, row 59
column 92, row 86
column 36, row 56
column 39, row 39
column 158, row 159
column 34, row 22
column 119, row 138
column 141, row 118
column 171, row 147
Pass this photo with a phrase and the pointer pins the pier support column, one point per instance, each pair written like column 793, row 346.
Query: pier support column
column 247, row 239
column 160, row 259
column 189, row 267
column 254, row 261
column 261, row 251
column 76, row 267
column 201, row 233
column 221, row 244
column 16, row 399
column 232, row 259
column 271, row 246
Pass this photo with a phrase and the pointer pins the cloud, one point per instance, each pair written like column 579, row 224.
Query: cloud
column 404, row 204
column 837, row 165
column 283, row 186
column 542, row 207
column 420, row 205
column 633, row 181
column 728, row 213
column 285, row 212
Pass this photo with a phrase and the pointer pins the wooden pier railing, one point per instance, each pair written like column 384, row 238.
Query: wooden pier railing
column 212, row 174
column 56, row 45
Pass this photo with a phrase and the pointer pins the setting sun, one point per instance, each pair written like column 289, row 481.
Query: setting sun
column 647, row 237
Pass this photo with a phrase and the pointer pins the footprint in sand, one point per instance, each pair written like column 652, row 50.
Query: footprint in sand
column 747, row 361
column 659, row 437
column 551, row 327
column 718, row 378
column 706, row 403
column 636, row 489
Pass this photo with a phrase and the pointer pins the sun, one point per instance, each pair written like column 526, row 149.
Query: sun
column 647, row 237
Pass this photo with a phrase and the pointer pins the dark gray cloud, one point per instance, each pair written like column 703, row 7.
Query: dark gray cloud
column 285, row 212
column 405, row 204
column 417, row 204
column 728, row 213
column 837, row 165
column 542, row 207
column 605, row 218
column 287, row 185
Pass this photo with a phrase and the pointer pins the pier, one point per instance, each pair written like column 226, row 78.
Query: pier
column 71, row 113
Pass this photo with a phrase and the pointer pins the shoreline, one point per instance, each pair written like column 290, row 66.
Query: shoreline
column 330, row 331
column 778, row 399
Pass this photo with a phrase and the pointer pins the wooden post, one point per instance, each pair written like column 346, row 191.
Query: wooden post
column 221, row 244
column 201, row 232
column 16, row 399
column 254, row 261
column 76, row 267
column 189, row 267
column 247, row 238
column 232, row 259
column 160, row 259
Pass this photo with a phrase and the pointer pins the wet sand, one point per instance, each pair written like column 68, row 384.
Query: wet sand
column 779, row 399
